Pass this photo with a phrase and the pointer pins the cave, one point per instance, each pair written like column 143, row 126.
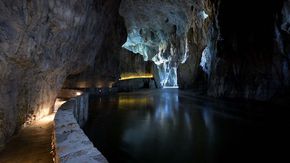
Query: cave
column 144, row 81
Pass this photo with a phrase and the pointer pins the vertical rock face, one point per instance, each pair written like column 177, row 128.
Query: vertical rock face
column 104, row 70
column 110, row 65
column 241, row 49
column 41, row 42
column 132, row 65
column 200, row 36
column 174, row 35
column 158, row 31
column 232, row 49
column 282, row 39
column 238, row 50
column 247, row 62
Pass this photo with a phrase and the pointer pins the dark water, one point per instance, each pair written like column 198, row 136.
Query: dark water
column 178, row 127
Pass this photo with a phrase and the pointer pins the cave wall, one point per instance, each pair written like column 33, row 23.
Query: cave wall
column 133, row 63
column 240, row 50
column 105, row 67
column 233, row 49
column 157, row 30
column 41, row 42
column 174, row 38
column 109, row 66
column 200, row 35
column 229, row 49
column 247, row 62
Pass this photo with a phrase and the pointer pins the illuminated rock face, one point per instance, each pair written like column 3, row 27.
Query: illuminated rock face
column 156, row 50
column 135, row 73
column 201, row 38
column 41, row 42
column 134, row 65
column 159, row 34
column 173, row 34
column 229, row 49
column 193, row 44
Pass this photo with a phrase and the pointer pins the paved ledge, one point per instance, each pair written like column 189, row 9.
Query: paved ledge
column 69, row 141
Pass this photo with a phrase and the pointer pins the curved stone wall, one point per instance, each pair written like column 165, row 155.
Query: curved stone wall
column 69, row 141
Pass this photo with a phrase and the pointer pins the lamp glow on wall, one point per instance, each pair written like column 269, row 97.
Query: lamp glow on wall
column 78, row 93
column 58, row 103
column 128, row 76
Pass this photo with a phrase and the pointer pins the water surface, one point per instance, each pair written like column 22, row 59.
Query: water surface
column 174, row 126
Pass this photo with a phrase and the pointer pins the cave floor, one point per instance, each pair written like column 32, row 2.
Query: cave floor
column 31, row 145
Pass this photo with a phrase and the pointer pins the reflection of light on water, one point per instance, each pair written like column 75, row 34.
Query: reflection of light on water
column 206, row 118
column 170, row 87
column 123, row 101
column 165, row 123
column 167, row 108
column 187, row 121
column 208, row 121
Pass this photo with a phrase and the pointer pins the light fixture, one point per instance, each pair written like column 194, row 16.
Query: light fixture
column 135, row 76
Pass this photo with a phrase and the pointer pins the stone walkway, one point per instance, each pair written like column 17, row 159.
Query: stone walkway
column 31, row 145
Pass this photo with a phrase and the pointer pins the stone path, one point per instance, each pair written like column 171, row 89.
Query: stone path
column 31, row 145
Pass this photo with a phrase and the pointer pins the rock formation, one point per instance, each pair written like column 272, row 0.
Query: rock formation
column 227, row 48
column 158, row 31
column 41, row 42
column 246, row 62
column 230, row 49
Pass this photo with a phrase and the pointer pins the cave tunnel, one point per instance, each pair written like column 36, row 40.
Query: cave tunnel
column 88, row 81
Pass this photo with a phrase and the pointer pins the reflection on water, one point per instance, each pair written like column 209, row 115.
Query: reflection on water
column 168, row 126
column 124, row 101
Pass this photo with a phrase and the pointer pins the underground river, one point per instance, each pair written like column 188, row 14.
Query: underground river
column 170, row 125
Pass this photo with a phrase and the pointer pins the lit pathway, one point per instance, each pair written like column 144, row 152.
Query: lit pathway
column 31, row 145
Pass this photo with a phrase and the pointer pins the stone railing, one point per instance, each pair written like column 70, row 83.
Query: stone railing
column 70, row 144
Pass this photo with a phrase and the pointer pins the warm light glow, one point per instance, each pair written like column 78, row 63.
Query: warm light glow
column 58, row 103
column 125, row 101
column 78, row 93
column 135, row 76
column 83, row 84
column 45, row 120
